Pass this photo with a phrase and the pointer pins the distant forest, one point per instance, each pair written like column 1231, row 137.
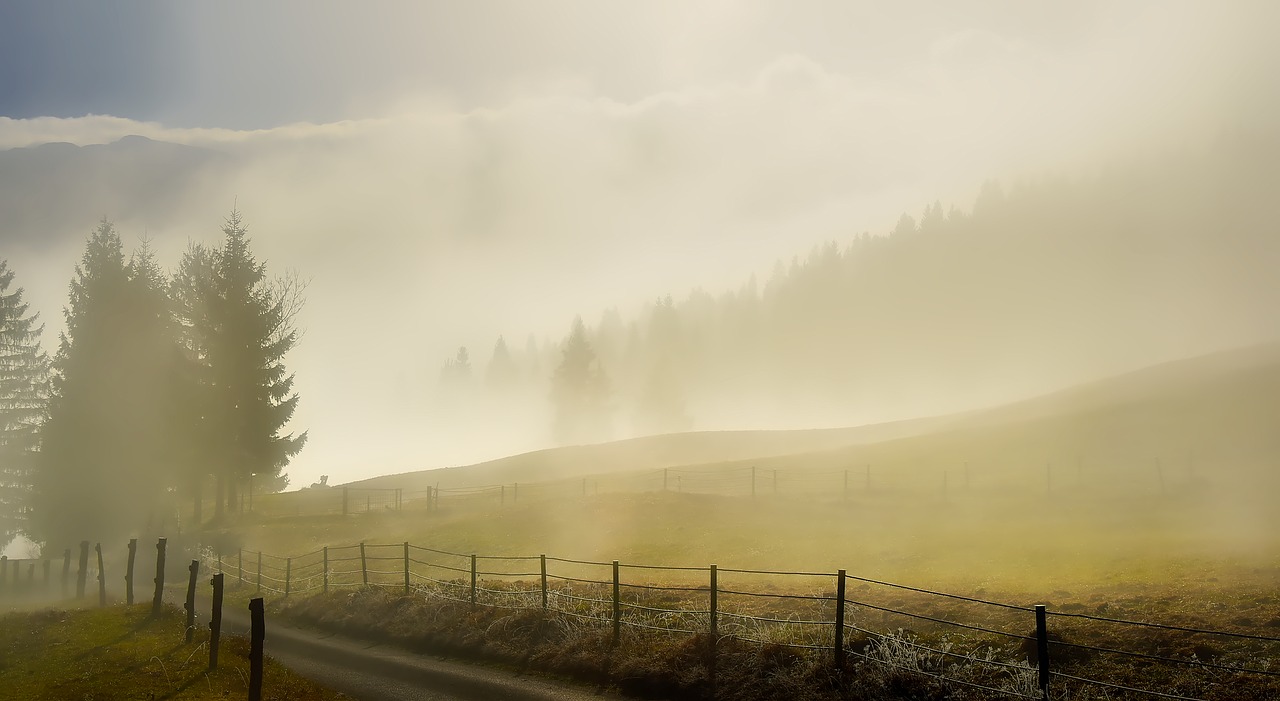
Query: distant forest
column 1050, row 278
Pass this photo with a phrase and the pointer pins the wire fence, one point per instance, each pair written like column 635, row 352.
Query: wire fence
column 1057, row 475
column 968, row 644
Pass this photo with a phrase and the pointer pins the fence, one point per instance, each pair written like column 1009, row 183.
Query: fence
column 985, row 646
column 1056, row 477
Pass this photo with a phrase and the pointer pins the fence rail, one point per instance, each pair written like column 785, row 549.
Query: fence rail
column 1001, row 648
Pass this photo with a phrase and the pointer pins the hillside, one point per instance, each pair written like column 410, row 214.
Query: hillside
column 646, row 453
column 1209, row 414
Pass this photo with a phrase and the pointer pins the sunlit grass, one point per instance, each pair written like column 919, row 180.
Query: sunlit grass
column 119, row 652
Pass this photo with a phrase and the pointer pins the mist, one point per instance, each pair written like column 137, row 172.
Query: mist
column 502, row 188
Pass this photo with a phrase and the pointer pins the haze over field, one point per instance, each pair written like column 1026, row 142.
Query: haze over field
column 447, row 176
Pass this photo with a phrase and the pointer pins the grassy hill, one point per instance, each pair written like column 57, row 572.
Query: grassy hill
column 1161, row 477
column 1180, row 421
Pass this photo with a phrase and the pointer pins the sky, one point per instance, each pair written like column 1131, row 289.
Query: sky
column 447, row 172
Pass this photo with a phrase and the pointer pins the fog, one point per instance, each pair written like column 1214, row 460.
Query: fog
column 444, row 177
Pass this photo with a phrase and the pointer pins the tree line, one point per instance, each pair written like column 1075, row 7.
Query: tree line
column 1035, row 285
column 162, row 385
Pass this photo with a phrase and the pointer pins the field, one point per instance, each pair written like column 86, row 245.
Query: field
column 1145, row 498
column 121, row 653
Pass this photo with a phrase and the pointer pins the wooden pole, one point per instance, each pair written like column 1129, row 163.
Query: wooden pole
column 406, row 568
column 158, row 601
column 617, row 606
column 66, row 572
column 102, row 577
column 128, row 572
column 839, row 647
column 258, row 632
column 542, row 559
column 288, row 574
column 711, row 645
column 1042, row 652
column 364, row 567
column 190, row 605
column 215, row 621
column 82, row 574
column 473, row 580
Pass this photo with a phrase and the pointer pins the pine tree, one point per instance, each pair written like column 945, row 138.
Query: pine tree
column 250, row 328
column 580, row 392
column 193, row 292
column 107, row 453
column 502, row 373
column 24, row 395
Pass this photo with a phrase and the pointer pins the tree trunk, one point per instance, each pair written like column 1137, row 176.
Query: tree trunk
column 233, row 506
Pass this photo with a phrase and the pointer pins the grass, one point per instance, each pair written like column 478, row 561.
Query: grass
column 119, row 652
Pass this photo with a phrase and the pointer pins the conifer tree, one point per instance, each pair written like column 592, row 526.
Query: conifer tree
column 107, row 452
column 580, row 392
column 24, row 395
column 502, row 372
column 250, row 329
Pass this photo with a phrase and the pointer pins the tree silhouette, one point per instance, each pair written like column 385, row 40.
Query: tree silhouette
column 250, row 329
column 24, row 396
column 502, row 373
column 580, row 392
column 108, row 446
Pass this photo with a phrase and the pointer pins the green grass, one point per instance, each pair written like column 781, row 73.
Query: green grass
column 119, row 652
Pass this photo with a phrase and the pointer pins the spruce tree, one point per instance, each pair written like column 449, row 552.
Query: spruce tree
column 107, row 453
column 24, row 395
column 249, row 331
column 580, row 392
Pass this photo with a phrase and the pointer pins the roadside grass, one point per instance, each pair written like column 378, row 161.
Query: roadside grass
column 894, row 665
column 119, row 652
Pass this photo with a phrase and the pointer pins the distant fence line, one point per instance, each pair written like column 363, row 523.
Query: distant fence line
column 817, row 612
column 742, row 481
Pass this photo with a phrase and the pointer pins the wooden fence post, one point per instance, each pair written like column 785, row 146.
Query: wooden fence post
column 839, row 648
column 258, row 632
column 543, row 561
column 1042, row 651
column 215, row 621
column 190, row 604
column 473, row 579
column 66, row 571
column 128, row 572
column 158, row 600
column 288, row 574
column 617, row 606
column 325, row 568
column 406, row 568
column 364, row 567
column 82, row 574
column 711, row 646
column 102, row 577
